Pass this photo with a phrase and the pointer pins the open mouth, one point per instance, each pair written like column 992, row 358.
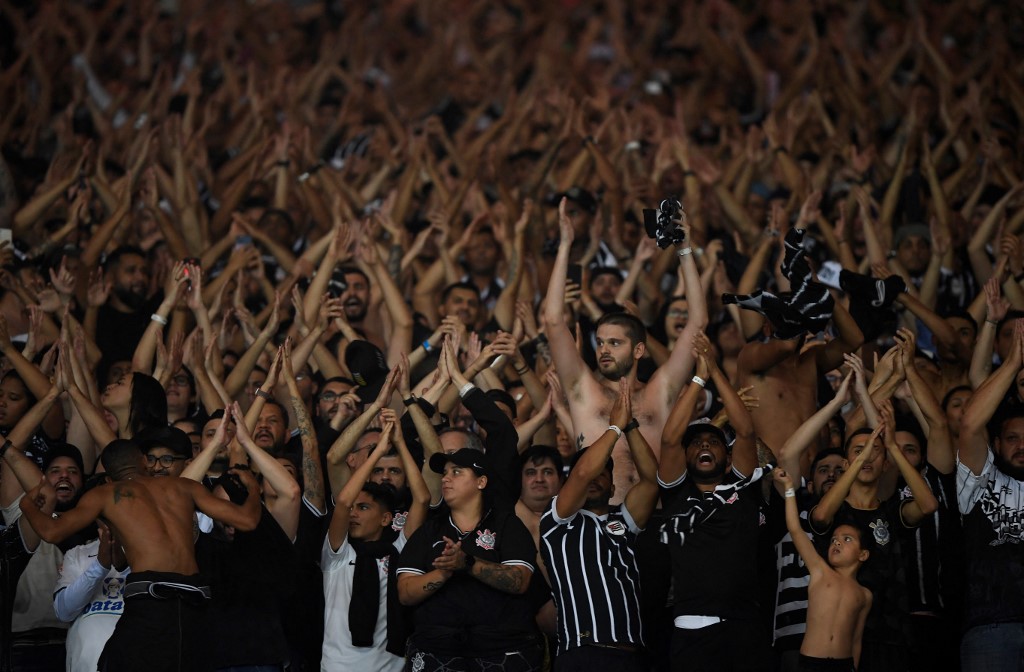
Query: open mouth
column 705, row 457
column 64, row 488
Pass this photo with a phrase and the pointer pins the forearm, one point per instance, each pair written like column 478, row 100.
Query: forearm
column 806, row 434
column 346, row 441
column 415, row 588
column 93, row 418
column 69, row 602
column 512, row 579
column 312, row 475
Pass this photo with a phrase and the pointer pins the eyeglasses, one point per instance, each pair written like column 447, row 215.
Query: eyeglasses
column 180, row 380
column 678, row 313
column 166, row 461
column 330, row 397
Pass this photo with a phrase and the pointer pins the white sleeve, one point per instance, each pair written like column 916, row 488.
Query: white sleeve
column 331, row 559
column 555, row 517
column 70, row 600
column 969, row 486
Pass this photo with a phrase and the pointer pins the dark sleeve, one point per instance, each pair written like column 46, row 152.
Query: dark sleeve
column 502, row 442
column 416, row 557
column 516, row 548
column 412, row 437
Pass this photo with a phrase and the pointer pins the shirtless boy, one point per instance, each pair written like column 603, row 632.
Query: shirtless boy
column 837, row 606
column 152, row 518
column 620, row 345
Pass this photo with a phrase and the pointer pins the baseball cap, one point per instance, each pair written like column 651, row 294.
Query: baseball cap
column 366, row 363
column 465, row 457
column 172, row 438
column 703, row 426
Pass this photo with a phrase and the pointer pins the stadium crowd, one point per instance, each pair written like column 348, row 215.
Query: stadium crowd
column 511, row 335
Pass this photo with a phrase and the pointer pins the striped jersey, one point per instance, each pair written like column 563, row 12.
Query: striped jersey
column 591, row 560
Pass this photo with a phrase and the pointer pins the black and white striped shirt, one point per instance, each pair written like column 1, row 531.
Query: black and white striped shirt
column 592, row 563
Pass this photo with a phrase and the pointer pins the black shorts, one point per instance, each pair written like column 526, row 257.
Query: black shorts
column 812, row 664
column 159, row 634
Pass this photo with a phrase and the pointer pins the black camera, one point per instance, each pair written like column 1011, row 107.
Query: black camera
column 665, row 225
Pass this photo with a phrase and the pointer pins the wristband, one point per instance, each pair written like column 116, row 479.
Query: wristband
column 685, row 251
column 470, row 561
column 283, row 163
column 631, row 425
column 5, row 447
column 992, row 322
column 426, row 345
column 523, row 371
column 632, row 146
column 780, row 150
column 410, row 401
column 159, row 319
column 615, row 428
column 790, row 493
column 464, row 390
column 262, row 395
column 700, row 381
column 689, row 173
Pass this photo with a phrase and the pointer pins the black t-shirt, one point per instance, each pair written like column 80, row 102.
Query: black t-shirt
column 118, row 334
column 250, row 578
column 467, row 617
column 715, row 571
column 934, row 549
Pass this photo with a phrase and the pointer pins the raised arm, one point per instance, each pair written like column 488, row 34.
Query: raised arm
column 338, row 529
column 923, row 504
column 673, row 453
column 744, row 451
column 941, row 453
column 643, row 496
column 564, row 353
column 791, row 455
column 668, row 380
column 973, row 448
column 312, row 474
column 784, row 484
column 573, row 494
column 285, row 506
column 822, row 514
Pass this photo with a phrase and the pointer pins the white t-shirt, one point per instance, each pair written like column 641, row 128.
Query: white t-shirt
column 338, row 653
column 105, row 603
column 33, row 600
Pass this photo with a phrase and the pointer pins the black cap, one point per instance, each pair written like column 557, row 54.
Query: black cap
column 366, row 362
column 63, row 450
column 703, row 426
column 465, row 457
column 171, row 438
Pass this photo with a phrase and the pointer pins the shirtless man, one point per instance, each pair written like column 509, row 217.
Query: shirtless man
column 620, row 345
column 784, row 376
column 152, row 518
column 837, row 605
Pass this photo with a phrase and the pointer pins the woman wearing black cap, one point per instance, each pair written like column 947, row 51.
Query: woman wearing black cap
column 466, row 573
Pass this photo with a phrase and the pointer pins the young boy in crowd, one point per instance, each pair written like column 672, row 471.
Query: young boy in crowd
column 837, row 605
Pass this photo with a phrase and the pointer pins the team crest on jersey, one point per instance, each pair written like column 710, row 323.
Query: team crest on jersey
column 485, row 539
column 733, row 499
column 398, row 521
column 615, row 527
column 881, row 532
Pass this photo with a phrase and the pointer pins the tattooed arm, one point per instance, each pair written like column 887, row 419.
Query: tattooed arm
column 414, row 588
column 312, row 474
